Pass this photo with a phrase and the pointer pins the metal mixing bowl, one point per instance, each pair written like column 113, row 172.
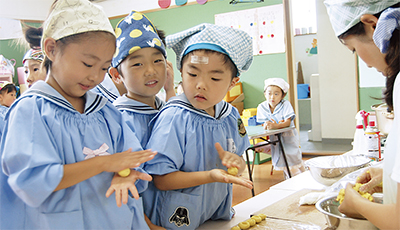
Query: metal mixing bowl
column 329, row 169
column 337, row 220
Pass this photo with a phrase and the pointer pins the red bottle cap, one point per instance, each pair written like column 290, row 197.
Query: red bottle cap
column 372, row 123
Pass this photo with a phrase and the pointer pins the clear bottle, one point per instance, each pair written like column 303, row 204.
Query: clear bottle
column 373, row 141
column 359, row 141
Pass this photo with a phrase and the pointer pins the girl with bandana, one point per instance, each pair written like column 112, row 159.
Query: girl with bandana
column 62, row 144
column 198, row 135
column 33, row 59
column 277, row 113
column 371, row 29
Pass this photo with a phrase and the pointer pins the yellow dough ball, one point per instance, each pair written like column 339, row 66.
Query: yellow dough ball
column 252, row 222
column 233, row 171
column 235, row 228
column 356, row 187
column 257, row 219
column 263, row 216
column 244, row 225
column 125, row 172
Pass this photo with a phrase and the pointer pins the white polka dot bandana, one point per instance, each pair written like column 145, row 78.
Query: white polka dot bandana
column 135, row 32
column 345, row 14
column 73, row 17
column 237, row 44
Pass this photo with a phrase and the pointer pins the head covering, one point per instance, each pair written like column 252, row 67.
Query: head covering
column 388, row 21
column 33, row 54
column 276, row 82
column 5, row 83
column 135, row 32
column 237, row 44
column 345, row 14
column 73, row 17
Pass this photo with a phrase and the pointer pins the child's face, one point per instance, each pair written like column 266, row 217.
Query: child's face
column 33, row 72
column 80, row 65
column 7, row 98
column 205, row 85
column 274, row 95
column 144, row 73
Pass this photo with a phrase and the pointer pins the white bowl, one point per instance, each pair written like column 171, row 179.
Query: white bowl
column 329, row 169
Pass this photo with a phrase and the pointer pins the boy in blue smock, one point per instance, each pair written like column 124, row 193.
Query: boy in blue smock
column 196, row 134
column 140, row 65
column 278, row 113
column 62, row 144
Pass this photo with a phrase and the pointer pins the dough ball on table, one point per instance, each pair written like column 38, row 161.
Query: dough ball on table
column 244, row 225
column 263, row 216
column 233, row 171
column 235, row 228
column 257, row 219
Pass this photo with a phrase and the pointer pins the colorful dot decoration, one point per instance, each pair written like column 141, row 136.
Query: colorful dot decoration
column 166, row 3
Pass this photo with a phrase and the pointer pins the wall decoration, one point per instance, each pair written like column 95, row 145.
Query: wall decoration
column 180, row 2
column 164, row 3
column 314, row 49
column 264, row 24
column 201, row 1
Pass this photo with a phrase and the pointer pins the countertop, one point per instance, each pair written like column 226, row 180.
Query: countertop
column 276, row 193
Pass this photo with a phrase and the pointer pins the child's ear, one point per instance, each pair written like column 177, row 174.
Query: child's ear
column 233, row 82
column 49, row 47
column 115, row 75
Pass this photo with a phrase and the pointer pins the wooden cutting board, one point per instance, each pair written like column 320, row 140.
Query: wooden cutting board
column 304, row 216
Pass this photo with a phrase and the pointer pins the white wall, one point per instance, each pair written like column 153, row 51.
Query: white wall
column 338, row 82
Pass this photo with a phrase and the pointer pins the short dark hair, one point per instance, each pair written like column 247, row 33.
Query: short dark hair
column 8, row 88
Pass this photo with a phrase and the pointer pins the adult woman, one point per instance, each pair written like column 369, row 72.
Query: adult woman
column 370, row 29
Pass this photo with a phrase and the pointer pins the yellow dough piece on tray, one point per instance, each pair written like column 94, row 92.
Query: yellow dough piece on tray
column 244, row 225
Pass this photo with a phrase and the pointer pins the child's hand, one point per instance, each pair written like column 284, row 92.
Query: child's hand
column 122, row 185
column 228, row 159
column 219, row 175
column 128, row 159
column 270, row 125
column 169, row 82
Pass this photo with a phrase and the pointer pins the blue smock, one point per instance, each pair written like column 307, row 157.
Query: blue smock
column 138, row 116
column 44, row 132
column 184, row 138
column 290, row 139
column 107, row 89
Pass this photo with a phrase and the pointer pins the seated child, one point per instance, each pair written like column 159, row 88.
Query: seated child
column 8, row 93
column 198, row 135
column 277, row 113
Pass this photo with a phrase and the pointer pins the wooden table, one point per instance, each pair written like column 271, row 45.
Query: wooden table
column 258, row 132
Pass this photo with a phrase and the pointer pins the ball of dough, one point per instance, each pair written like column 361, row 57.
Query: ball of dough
column 125, row 172
column 233, row 171
column 244, row 225
column 257, row 219
column 263, row 216
column 235, row 228
column 252, row 222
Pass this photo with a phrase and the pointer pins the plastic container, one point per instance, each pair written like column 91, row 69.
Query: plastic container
column 373, row 141
column 302, row 91
column 359, row 141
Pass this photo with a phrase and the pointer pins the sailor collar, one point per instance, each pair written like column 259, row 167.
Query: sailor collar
column 128, row 104
column 222, row 109
column 94, row 102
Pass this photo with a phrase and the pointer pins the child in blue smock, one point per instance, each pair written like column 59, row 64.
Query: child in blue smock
column 196, row 134
column 278, row 113
column 62, row 144
column 143, row 72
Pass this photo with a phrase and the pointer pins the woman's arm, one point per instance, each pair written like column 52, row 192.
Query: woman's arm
column 382, row 216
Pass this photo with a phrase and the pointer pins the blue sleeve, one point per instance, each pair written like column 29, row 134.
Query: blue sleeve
column 168, row 139
column 32, row 178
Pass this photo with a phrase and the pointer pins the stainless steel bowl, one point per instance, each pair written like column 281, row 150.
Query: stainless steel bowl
column 337, row 220
column 329, row 169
